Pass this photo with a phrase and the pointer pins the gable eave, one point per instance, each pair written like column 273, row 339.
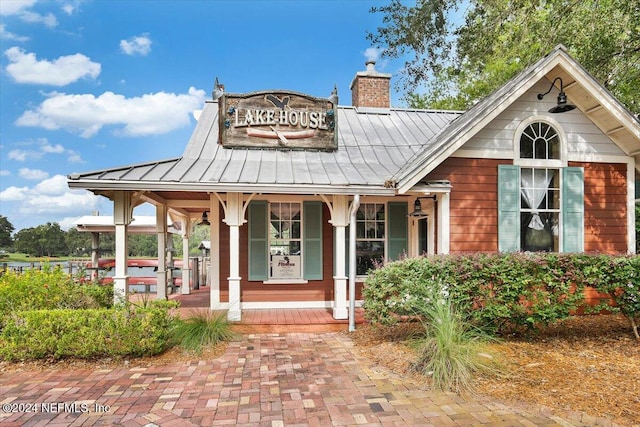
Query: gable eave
column 626, row 133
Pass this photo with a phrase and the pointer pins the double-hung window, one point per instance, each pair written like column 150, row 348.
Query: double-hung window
column 540, row 199
column 285, row 240
column 370, row 236
column 381, row 234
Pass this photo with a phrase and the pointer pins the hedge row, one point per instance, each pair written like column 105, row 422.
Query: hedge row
column 85, row 333
column 50, row 288
column 505, row 291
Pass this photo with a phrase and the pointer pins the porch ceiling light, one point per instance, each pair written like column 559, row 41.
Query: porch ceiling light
column 417, row 207
column 204, row 220
column 562, row 106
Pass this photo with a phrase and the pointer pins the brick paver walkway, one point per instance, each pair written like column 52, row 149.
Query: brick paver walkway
column 296, row 379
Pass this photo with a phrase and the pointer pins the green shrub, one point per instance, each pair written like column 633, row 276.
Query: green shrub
column 507, row 292
column 452, row 351
column 619, row 277
column 49, row 288
column 85, row 333
column 203, row 328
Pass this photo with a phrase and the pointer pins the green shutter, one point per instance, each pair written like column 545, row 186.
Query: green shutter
column 572, row 209
column 258, row 241
column 508, row 208
column 312, row 245
column 397, row 229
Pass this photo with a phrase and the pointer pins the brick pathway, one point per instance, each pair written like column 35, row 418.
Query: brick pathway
column 273, row 380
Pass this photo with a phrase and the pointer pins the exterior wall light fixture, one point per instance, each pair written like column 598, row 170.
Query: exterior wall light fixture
column 417, row 207
column 562, row 106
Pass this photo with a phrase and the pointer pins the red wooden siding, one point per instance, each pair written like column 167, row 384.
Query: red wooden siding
column 605, row 207
column 473, row 203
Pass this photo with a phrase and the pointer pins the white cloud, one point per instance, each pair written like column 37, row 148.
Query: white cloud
column 137, row 45
column 48, row 148
column 372, row 53
column 12, row 194
column 51, row 196
column 74, row 157
column 70, row 7
column 14, row 7
column 6, row 35
column 43, row 147
column 26, row 68
column 33, row 174
column 4, row 172
column 86, row 114
column 22, row 155
column 49, row 20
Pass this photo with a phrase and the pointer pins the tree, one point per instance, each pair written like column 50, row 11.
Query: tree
column 143, row 245
column 459, row 62
column 43, row 240
column 78, row 242
column 6, row 229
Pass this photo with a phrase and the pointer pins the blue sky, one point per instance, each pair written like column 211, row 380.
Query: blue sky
column 92, row 84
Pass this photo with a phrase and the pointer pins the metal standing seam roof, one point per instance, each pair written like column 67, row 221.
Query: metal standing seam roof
column 373, row 145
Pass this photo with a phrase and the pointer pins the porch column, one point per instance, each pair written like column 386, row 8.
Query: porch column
column 340, row 220
column 122, row 216
column 95, row 255
column 214, row 253
column 234, row 218
column 185, row 289
column 161, row 230
column 443, row 223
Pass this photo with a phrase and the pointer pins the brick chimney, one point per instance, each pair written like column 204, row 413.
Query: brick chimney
column 370, row 88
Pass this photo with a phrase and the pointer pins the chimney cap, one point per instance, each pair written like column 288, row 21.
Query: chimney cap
column 370, row 72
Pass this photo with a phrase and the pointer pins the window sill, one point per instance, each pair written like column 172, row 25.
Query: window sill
column 285, row 282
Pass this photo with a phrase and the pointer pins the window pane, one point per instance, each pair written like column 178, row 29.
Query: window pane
column 367, row 255
column 539, row 141
column 295, row 230
column 543, row 239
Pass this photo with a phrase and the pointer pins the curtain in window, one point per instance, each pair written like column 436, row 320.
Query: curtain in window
column 535, row 183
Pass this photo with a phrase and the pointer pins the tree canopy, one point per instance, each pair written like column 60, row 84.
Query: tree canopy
column 6, row 228
column 459, row 51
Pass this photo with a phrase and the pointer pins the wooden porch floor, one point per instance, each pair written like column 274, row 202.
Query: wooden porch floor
column 272, row 320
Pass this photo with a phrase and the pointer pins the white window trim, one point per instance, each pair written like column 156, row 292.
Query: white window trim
column 376, row 201
column 544, row 163
column 531, row 163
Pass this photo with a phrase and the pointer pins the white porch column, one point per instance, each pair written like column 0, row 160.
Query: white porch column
column 185, row 289
column 234, row 218
column 340, row 220
column 122, row 216
column 443, row 223
column 214, row 253
column 161, row 230
column 95, row 255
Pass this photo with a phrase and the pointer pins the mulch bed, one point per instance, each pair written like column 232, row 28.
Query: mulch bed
column 589, row 364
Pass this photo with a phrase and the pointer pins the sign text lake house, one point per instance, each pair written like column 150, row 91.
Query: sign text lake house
column 279, row 120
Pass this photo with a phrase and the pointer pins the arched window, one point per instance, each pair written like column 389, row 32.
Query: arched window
column 540, row 197
column 539, row 141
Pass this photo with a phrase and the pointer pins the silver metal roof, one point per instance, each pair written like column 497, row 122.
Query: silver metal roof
column 373, row 145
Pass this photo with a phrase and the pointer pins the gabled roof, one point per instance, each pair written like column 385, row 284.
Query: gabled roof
column 582, row 89
column 380, row 151
column 372, row 146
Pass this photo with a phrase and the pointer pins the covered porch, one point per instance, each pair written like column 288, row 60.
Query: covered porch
column 272, row 320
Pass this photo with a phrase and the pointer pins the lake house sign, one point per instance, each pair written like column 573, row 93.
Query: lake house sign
column 278, row 120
